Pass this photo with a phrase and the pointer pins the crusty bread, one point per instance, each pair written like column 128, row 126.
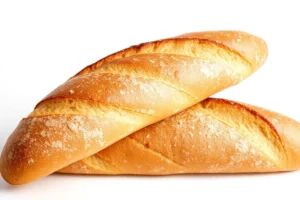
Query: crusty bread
column 248, row 46
column 214, row 136
column 289, row 132
column 123, row 93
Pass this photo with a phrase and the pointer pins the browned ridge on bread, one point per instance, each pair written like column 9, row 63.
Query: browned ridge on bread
column 249, row 47
column 214, row 136
column 123, row 93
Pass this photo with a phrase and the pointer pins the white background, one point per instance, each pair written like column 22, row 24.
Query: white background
column 43, row 44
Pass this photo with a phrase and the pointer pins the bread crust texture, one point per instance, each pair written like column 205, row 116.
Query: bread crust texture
column 123, row 93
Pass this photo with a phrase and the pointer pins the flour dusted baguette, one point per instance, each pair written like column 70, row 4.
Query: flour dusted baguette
column 251, row 48
column 123, row 93
column 214, row 136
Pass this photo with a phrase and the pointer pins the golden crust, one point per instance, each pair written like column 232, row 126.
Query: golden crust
column 289, row 131
column 255, row 53
column 120, row 94
column 249, row 47
column 214, row 136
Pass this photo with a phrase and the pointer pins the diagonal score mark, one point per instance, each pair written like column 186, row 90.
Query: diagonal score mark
column 145, row 48
column 107, row 162
column 108, row 166
column 147, row 78
column 99, row 109
column 156, row 152
column 209, row 112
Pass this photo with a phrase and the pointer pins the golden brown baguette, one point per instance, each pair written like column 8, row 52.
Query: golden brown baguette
column 214, row 136
column 123, row 93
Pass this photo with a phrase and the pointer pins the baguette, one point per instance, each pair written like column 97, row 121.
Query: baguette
column 214, row 136
column 123, row 93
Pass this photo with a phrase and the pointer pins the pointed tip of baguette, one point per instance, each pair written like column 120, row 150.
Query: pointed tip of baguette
column 289, row 131
column 251, row 47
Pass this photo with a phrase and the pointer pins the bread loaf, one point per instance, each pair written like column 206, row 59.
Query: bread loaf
column 123, row 93
column 214, row 136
